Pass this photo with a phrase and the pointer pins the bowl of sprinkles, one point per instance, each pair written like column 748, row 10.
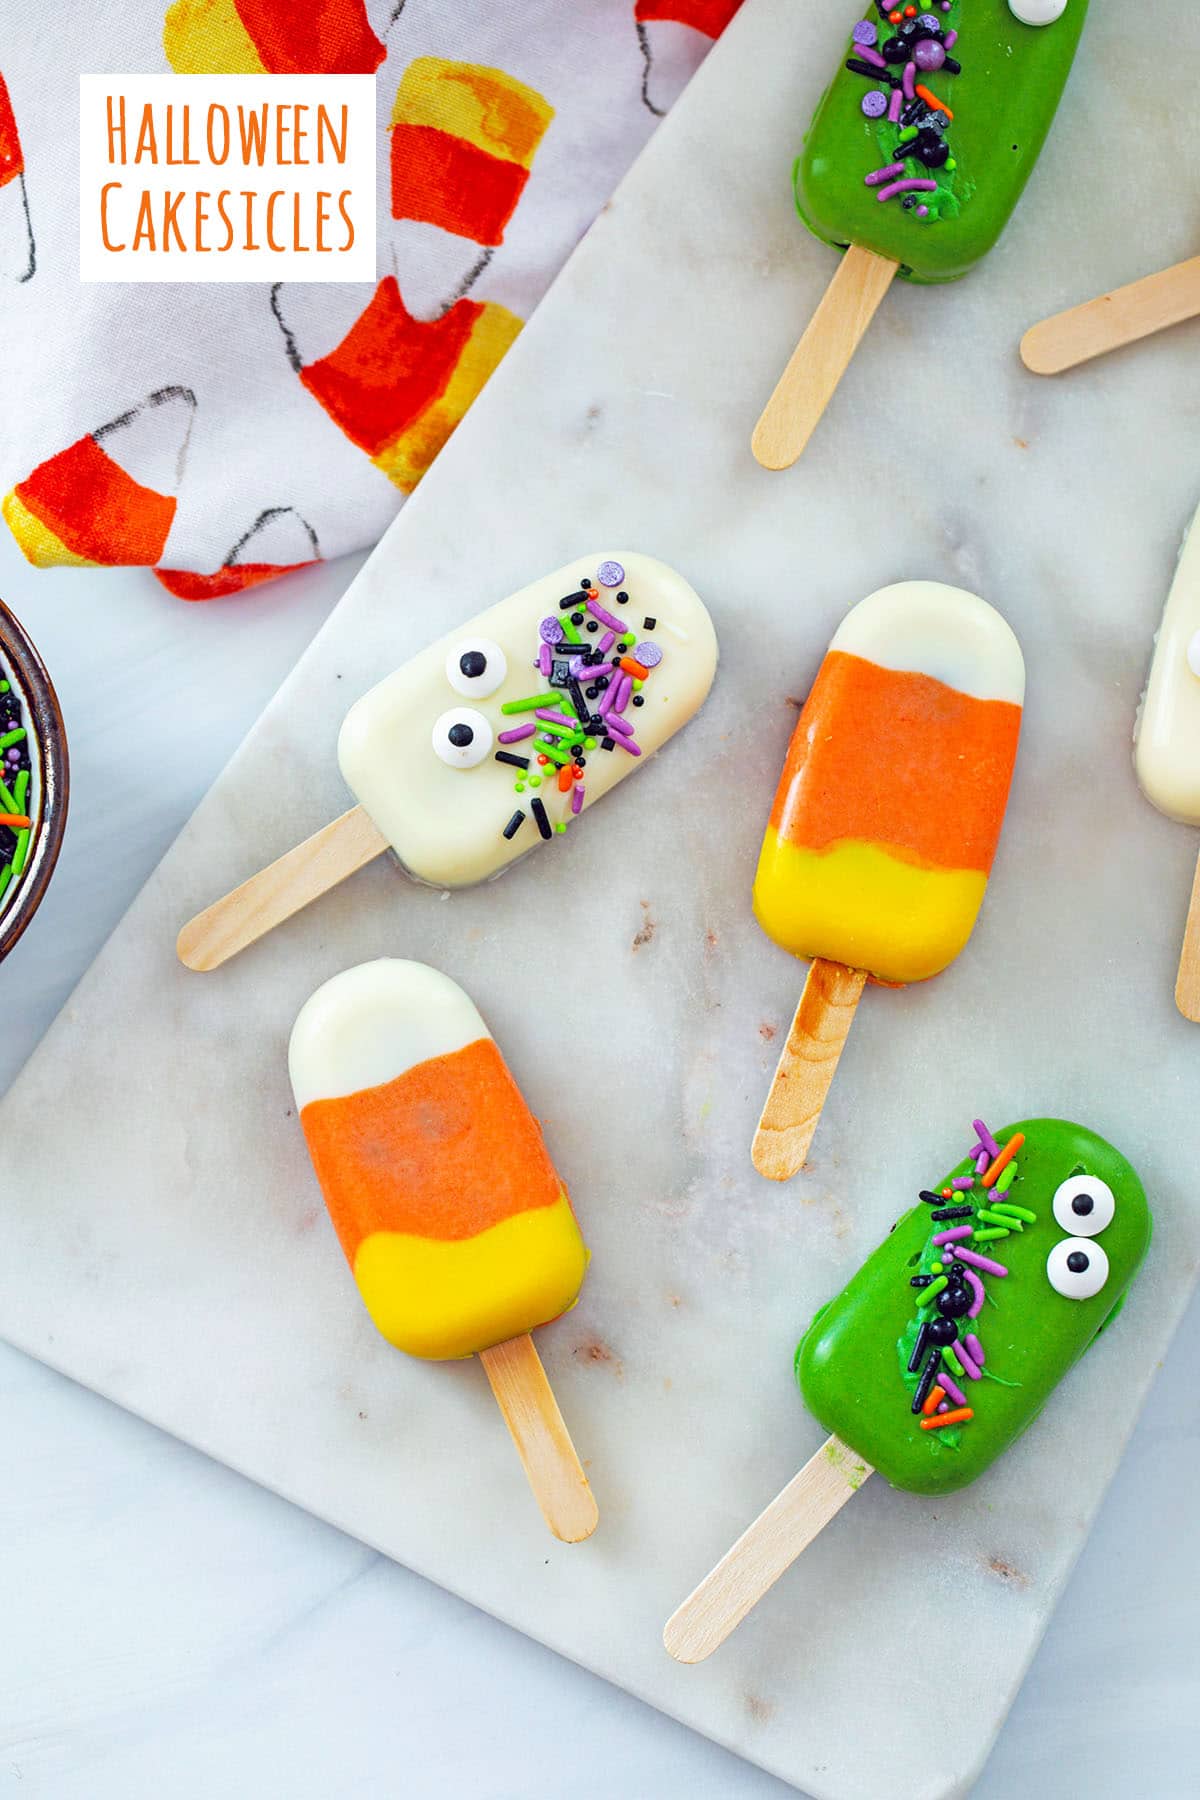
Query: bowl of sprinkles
column 33, row 780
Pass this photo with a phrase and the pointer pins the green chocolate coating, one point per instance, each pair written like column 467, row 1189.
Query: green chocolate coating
column 1003, row 102
column 851, row 1362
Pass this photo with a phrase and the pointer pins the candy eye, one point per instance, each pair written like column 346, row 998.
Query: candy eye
column 1084, row 1205
column 476, row 667
column 462, row 737
column 1077, row 1267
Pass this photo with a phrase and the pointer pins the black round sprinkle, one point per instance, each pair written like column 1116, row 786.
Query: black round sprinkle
column 585, row 581
column 622, row 599
column 473, row 664
column 954, row 1301
column 593, row 625
column 460, row 736
column 581, row 762
column 1083, row 1204
column 591, row 692
column 942, row 1332
column 638, row 701
column 577, row 618
column 602, row 682
column 1078, row 1262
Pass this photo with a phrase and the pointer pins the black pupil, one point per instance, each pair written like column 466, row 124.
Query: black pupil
column 1077, row 1262
column 460, row 736
column 472, row 665
column 1083, row 1204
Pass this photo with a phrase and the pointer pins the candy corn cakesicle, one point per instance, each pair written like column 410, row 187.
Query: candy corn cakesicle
column 1167, row 737
column 948, row 1342
column 458, row 1230
column 915, row 158
column 886, row 818
column 494, row 740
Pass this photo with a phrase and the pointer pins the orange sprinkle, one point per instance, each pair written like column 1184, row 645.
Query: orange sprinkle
column 910, row 12
column 1002, row 1161
column 933, row 1400
column 632, row 667
column 566, row 775
column 932, row 100
column 17, row 821
column 958, row 1415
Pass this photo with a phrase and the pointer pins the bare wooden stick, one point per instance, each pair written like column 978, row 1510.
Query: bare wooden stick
column 1111, row 320
column 531, row 1413
column 805, row 1069
column 339, row 849
column 1187, row 983
column 821, row 357
column 761, row 1555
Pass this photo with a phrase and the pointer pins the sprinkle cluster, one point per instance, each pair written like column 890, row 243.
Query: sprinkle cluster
column 946, row 1349
column 596, row 668
column 16, row 826
column 913, row 119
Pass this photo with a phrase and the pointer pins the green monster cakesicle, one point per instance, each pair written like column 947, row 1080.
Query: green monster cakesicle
column 917, row 154
column 947, row 1343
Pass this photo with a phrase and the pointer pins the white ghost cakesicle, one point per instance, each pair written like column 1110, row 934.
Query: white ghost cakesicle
column 493, row 740
column 498, row 736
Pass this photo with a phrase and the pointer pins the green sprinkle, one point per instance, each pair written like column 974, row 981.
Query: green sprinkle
column 950, row 163
column 994, row 1218
column 561, row 826
column 1018, row 1212
column 638, row 684
column 984, row 1237
column 932, row 1291
column 7, row 801
column 1007, row 1177
column 6, row 876
column 628, row 641
column 906, row 136
column 589, row 743
column 569, row 632
column 956, row 1367
column 558, row 755
column 936, row 1268
column 3, row 687
column 22, row 852
column 535, row 781
column 561, row 731
column 518, row 787
column 527, row 705
column 15, row 736
column 21, row 789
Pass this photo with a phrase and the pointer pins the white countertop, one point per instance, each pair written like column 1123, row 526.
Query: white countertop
column 170, row 1629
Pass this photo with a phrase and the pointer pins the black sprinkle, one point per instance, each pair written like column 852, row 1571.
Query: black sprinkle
column 607, row 743
column 928, row 1376
column 514, row 824
column 918, row 1349
column 516, row 762
column 539, row 813
column 873, row 74
column 576, row 693
column 954, row 1212
column 570, row 601
column 649, row 624
column 930, row 1199
column 921, row 1281
column 638, row 701
column 952, row 66
column 593, row 624
column 622, row 598
column 577, row 618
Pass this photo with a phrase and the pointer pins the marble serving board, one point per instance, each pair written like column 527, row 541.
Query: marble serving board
column 166, row 1243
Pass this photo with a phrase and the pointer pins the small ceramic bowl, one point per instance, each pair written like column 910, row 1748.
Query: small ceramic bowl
column 33, row 782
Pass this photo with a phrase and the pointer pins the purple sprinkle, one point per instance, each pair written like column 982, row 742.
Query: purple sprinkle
column 865, row 33
column 874, row 103
column 970, row 1367
column 927, row 22
column 545, row 661
column 922, row 211
column 986, row 1139
column 610, row 574
column 649, row 655
column 950, row 39
column 994, row 1194
column 981, row 1262
column 976, row 1348
column 942, row 1406
column 878, row 175
column 949, row 1386
column 981, row 1162
column 980, row 1293
column 599, row 669
column 577, row 792
column 607, row 641
column 962, row 1182
column 906, row 187
column 627, row 743
column 908, row 80
column 873, row 57
column 516, row 734
column 579, row 668
column 622, row 727
column 605, row 618
column 550, row 631
column 623, row 693
column 895, row 106
column 555, row 718
column 953, row 1237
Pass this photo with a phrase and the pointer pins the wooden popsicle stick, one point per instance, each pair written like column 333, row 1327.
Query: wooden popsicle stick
column 763, row 1552
column 339, row 849
column 1187, row 982
column 821, row 357
column 805, row 1069
column 526, row 1399
column 1111, row 320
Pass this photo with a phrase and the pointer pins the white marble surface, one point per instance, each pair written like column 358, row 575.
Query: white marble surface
column 105, row 1690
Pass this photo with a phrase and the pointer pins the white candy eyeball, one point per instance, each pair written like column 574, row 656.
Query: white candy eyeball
column 462, row 737
column 1084, row 1205
column 1037, row 12
column 476, row 667
column 1077, row 1267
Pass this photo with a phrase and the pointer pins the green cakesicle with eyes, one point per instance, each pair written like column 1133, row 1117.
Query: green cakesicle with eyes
column 1072, row 1228
column 991, row 86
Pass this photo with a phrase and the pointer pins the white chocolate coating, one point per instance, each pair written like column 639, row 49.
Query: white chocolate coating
column 941, row 631
column 1167, row 735
column 372, row 1023
column 446, row 824
column 1037, row 12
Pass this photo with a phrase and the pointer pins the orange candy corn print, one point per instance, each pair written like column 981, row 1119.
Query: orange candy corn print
column 110, row 497
column 674, row 35
column 17, row 254
column 279, row 541
column 398, row 386
column 271, row 37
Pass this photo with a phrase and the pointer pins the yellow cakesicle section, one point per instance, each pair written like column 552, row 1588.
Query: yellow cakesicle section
column 38, row 544
column 438, row 1298
column 857, row 904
